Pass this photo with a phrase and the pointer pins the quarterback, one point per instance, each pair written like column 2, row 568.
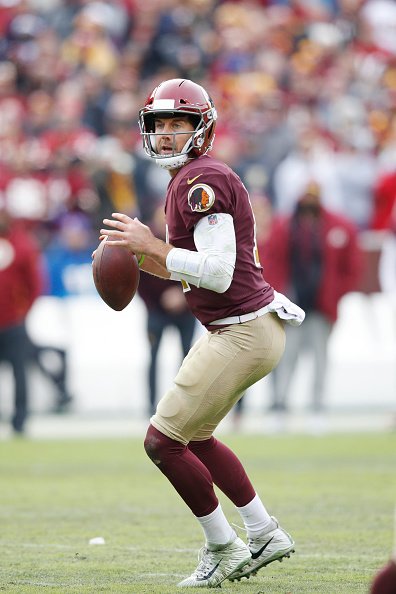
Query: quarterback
column 211, row 249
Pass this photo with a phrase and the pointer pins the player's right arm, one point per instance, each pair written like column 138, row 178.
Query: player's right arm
column 212, row 265
column 153, row 267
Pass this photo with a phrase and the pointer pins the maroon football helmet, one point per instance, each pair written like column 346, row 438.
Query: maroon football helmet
column 173, row 97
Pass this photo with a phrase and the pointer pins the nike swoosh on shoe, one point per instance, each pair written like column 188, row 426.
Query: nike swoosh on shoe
column 209, row 575
column 260, row 551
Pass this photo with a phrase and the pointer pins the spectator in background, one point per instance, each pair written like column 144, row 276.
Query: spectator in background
column 68, row 256
column 53, row 363
column 166, row 307
column 387, row 272
column 263, row 214
column 90, row 44
column 387, row 263
column 384, row 200
column 69, row 272
column 316, row 260
column 112, row 164
column 21, row 282
column 312, row 157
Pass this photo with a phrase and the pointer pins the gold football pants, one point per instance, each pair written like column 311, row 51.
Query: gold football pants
column 217, row 371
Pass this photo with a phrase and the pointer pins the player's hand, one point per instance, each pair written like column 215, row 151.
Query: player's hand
column 128, row 232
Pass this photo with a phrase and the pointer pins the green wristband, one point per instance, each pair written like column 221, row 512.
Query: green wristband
column 141, row 260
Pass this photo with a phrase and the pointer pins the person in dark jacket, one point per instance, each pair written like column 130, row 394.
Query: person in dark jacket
column 315, row 258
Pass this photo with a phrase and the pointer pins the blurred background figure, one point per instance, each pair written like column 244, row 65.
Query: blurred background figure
column 263, row 214
column 313, row 257
column 387, row 261
column 387, row 274
column 166, row 308
column 21, row 282
column 67, row 260
column 52, row 362
column 68, row 256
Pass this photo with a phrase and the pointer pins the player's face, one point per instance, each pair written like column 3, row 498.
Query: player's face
column 172, row 134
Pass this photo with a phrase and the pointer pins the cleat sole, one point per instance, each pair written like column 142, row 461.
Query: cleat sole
column 256, row 570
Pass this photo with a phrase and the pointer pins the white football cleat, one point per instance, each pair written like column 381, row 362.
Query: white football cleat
column 274, row 545
column 215, row 566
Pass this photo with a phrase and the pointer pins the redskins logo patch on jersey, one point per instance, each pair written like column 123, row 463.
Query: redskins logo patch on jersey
column 201, row 197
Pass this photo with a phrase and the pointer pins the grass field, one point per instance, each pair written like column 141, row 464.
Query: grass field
column 335, row 494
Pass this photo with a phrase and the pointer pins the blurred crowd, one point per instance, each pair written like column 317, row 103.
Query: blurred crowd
column 305, row 91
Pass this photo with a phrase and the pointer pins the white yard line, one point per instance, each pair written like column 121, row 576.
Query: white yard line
column 49, row 545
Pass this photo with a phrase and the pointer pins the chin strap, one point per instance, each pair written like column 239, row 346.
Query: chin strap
column 176, row 161
column 172, row 162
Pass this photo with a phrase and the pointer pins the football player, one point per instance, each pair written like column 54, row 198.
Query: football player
column 211, row 249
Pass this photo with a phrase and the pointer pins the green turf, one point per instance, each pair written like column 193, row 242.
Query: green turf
column 335, row 494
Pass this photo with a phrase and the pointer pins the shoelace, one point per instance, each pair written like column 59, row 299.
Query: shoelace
column 206, row 562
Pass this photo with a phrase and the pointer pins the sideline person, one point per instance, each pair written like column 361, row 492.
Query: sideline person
column 21, row 283
column 211, row 249
column 313, row 254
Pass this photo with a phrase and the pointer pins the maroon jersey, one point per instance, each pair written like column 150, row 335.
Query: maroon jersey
column 203, row 188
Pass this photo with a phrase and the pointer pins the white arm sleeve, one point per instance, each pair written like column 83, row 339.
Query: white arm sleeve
column 212, row 266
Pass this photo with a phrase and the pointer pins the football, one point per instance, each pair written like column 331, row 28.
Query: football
column 116, row 274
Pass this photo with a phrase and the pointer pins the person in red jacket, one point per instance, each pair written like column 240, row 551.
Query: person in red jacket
column 315, row 259
column 21, row 282
column 384, row 201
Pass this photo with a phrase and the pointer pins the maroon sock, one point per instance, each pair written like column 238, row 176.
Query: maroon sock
column 188, row 475
column 226, row 470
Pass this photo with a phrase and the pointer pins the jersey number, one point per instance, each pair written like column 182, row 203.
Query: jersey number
column 185, row 285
